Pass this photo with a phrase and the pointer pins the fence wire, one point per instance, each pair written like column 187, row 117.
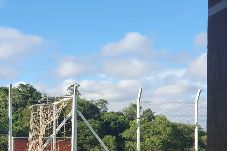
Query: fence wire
column 180, row 110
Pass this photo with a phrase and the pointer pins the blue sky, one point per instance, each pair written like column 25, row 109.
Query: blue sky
column 111, row 47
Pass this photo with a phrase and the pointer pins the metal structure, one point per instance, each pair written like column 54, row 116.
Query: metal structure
column 10, row 133
column 196, row 120
column 138, row 121
column 74, row 118
column 48, row 113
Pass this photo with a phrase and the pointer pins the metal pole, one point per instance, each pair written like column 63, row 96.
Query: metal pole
column 74, row 119
column 64, row 125
column 196, row 120
column 92, row 130
column 138, row 120
column 54, row 127
column 10, row 137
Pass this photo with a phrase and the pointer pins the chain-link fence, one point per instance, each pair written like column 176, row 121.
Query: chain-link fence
column 183, row 110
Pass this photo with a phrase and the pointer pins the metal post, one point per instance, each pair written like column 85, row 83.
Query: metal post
column 74, row 119
column 92, row 130
column 138, row 120
column 10, row 134
column 64, row 125
column 54, row 127
column 196, row 120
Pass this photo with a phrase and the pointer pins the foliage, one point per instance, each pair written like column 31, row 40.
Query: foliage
column 86, row 140
column 114, row 123
column 3, row 143
column 148, row 115
column 101, row 104
column 130, row 111
column 109, row 141
column 88, row 109
column 116, row 129
column 3, row 110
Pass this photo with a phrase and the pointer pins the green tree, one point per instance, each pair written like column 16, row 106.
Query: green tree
column 148, row 115
column 114, row 123
column 101, row 104
column 116, row 129
column 130, row 111
column 109, row 141
column 88, row 109
column 3, row 118
column 86, row 140
column 3, row 110
column 23, row 96
column 160, row 134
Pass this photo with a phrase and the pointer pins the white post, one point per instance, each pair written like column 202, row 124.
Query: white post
column 196, row 120
column 74, row 119
column 10, row 134
column 92, row 130
column 54, row 127
column 138, row 120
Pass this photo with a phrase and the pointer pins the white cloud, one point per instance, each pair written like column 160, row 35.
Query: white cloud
column 171, row 73
column 47, row 89
column 121, row 92
column 198, row 68
column 175, row 89
column 71, row 66
column 128, row 68
column 201, row 39
column 123, row 71
column 57, row 89
column 19, row 82
column 132, row 42
column 14, row 43
column 169, row 86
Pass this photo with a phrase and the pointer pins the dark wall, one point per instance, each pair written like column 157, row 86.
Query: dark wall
column 213, row 2
column 217, row 80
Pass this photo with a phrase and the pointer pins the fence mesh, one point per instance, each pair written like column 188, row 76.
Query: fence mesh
column 180, row 110
column 183, row 111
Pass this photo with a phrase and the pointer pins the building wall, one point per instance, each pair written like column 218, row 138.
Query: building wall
column 217, row 76
column 21, row 144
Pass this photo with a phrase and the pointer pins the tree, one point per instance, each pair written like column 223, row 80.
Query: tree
column 130, row 111
column 148, row 115
column 114, row 123
column 109, row 141
column 3, row 110
column 160, row 134
column 116, row 129
column 3, row 118
column 23, row 96
column 101, row 104
column 86, row 140
column 88, row 109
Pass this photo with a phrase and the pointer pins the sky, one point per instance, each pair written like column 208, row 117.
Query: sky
column 110, row 47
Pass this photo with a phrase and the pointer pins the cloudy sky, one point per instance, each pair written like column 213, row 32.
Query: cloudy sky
column 110, row 47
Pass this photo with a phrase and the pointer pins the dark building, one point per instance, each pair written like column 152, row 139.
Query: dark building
column 217, row 76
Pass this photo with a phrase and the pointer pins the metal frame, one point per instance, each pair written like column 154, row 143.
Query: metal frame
column 10, row 133
column 196, row 120
column 73, row 114
column 138, row 121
